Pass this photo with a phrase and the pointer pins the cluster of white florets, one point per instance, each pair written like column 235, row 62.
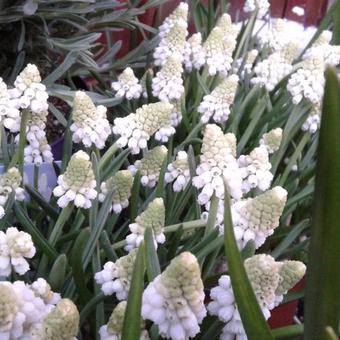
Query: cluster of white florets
column 261, row 5
column 15, row 247
column 269, row 279
column 178, row 172
column 217, row 163
column 22, row 308
column 167, row 85
column 9, row 113
column 176, row 113
column 10, row 181
column 137, row 128
column 194, row 55
column 154, row 218
column 127, row 85
column 217, row 104
column 113, row 329
column 272, row 140
column 219, row 46
column 150, row 166
column 77, row 183
column 174, row 300
column 312, row 122
column 255, row 169
column 120, row 184
column 90, row 125
column 257, row 218
column 115, row 278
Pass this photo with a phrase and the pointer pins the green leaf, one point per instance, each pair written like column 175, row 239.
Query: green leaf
column 151, row 258
column 288, row 332
column 253, row 320
column 135, row 196
column 336, row 24
column 132, row 318
column 323, row 274
column 159, row 191
column 56, row 277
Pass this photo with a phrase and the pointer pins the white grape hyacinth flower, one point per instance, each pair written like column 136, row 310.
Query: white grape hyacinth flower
column 115, row 278
column 127, row 85
column 9, row 113
column 21, row 309
column 257, row 218
column 113, row 329
column 167, row 85
column 136, row 129
column 217, row 163
column 176, row 113
column 29, row 91
column 194, row 55
column 153, row 217
column 178, row 172
column 272, row 140
column 78, row 183
column 180, row 13
column 174, row 300
column 15, row 247
column 90, row 125
column 312, row 123
column 173, row 43
column 217, row 104
column 267, row 281
column 255, row 169
column 120, row 184
column 10, row 181
column 150, row 166
column 261, row 5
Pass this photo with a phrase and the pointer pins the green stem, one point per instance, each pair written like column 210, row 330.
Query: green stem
column 212, row 214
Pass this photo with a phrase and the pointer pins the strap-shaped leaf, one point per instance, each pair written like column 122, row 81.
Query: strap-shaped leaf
column 151, row 259
column 253, row 320
column 56, row 277
column 323, row 274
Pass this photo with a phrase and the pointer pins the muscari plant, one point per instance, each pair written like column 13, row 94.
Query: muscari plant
column 187, row 213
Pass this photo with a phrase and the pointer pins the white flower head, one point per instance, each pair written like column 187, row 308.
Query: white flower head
column 176, row 113
column 180, row 12
column 194, row 55
column 120, row 183
column 312, row 123
column 77, row 183
column 172, row 43
column 8, row 307
column 127, row 85
column 178, row 172
column 43, row 290
column 38, row 152
column 150, row 166
column 261, row 5
column 255, row 169
column 137, row 128
column 217, row 104
column 10, row 181
column 61, row 323
column 257, row 218
column 174, row 300
column 115, row 278
column 217, row 163
column 272, row 140
column 264, row 275
column 167, row 85
column 113, row 329
column 90, row 125
column 153, row 217
column 15, row 247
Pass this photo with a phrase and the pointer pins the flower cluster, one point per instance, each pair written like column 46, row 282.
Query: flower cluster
column 15, row 246
column 137, row 128
column 272, row 140
column 217, row 163
column 127, row 85
column 90, row 125
column 178, row 172
column 174, row 300
column 116, row 277
column 9, row 182
column 150, row 166
column 262, row 6
column 113, row 329
column 120, row 184
column 194, row 55
column 154, row 218
column 23, row 307
column 77, row 183
column 217, row 104
column 269, row 280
